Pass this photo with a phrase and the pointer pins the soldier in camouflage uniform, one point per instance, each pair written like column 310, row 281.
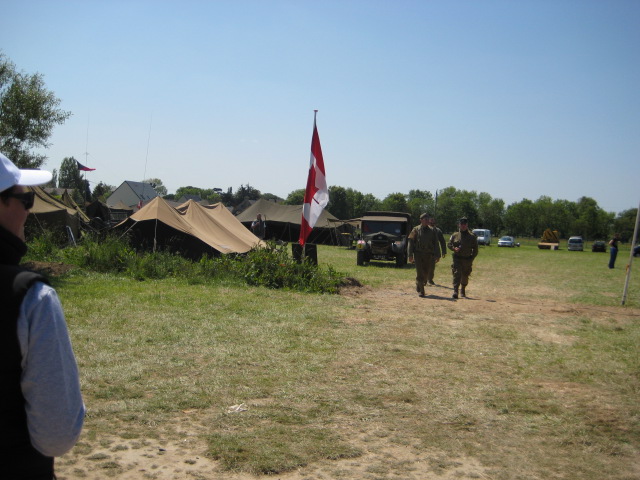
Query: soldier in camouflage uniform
column 421, row 249
column 464, row 245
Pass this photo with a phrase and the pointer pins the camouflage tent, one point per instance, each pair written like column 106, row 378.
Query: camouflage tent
column 283, row 223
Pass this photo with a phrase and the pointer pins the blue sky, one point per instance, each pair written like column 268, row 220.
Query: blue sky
column 518, row 99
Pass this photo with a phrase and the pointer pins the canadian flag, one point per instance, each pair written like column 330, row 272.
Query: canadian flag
column 316, row 196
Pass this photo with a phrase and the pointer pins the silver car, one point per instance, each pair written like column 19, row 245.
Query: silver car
column 506, row 242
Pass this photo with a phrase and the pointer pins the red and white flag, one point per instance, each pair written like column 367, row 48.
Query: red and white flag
column 316, row 197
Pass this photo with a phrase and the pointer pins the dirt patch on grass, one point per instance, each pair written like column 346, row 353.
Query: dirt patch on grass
column 169, row 460
column 49, row 269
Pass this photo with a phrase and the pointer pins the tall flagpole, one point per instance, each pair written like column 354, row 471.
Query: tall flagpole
column 633, row 243
column 86, row 161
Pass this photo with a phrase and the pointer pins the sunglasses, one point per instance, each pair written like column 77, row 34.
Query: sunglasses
column 26, row 199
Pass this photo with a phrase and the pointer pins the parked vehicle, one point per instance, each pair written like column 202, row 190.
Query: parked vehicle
column 507, row 242
column 599, row 246
column 484, row 236
column 384, row 237
column 549, row 240
column 575, row 244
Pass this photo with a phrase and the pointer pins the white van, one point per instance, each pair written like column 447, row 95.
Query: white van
column 575, row 244
column 484, row 236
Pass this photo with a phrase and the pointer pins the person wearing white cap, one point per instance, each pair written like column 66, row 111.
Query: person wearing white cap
column 41, row 408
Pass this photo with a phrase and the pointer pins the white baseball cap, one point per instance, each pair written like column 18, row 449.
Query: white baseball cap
column 11, row 175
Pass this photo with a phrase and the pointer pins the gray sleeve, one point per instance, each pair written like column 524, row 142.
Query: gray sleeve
column 50, row 381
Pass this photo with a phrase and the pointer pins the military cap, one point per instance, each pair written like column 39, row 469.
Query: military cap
column 425, row 215
column 463, row 221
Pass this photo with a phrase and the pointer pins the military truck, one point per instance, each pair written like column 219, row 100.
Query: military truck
column 383, row 236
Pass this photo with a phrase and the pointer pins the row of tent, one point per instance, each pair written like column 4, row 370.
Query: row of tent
column 191, row 229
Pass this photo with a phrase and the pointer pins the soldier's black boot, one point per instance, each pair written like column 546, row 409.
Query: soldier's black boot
column 421, row 291
column 462, row 291
column 455, row 292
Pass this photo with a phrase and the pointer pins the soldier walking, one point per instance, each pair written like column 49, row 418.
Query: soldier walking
column 421, row 249
column 441, row 251
column 464, row 245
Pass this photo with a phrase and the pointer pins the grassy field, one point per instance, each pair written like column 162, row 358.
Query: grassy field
column 536, row 376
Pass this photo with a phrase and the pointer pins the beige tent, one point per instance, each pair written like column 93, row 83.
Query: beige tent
column 49, row 214
column 191, row 229
column 70, row 202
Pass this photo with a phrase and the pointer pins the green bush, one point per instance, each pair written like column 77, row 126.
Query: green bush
column 274, row 268
column 271, row 267
column 44, row 248
column 100, row 254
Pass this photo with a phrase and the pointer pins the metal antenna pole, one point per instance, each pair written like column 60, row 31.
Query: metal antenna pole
column 633, row 243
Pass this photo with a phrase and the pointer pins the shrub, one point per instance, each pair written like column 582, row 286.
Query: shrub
column 271, row 266
column 274, row 268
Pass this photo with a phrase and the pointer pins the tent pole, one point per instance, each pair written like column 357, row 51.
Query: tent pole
column 155, row 236
column 633, row 243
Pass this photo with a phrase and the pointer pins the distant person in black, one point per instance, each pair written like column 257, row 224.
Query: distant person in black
column 613, row 250
column 259, row 227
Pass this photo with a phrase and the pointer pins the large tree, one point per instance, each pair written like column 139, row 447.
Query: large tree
column 296, row 197
column 395, row 202
column 419, row 202
column 212, row 195
column 28, row 113
column 246, row 192
column 592, row 222
column 625, row 224
column 490, row 211
column 358, row 203
column 338, row 202
column 102, row 191
column 520, row 219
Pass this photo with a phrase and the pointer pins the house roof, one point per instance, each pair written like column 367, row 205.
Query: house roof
column 144, row 191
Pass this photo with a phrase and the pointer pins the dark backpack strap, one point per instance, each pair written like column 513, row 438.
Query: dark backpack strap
column 24, row 280
column 18, row 458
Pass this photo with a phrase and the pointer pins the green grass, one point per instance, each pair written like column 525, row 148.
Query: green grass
column 536, row 377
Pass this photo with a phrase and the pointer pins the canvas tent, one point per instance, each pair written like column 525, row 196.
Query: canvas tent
column 191, row 229
column 283, row 223
column 49, row 214
column 108, row 215
column 70, row 202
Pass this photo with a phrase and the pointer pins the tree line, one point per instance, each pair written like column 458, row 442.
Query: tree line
column 524, row 218
column 29, row 112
